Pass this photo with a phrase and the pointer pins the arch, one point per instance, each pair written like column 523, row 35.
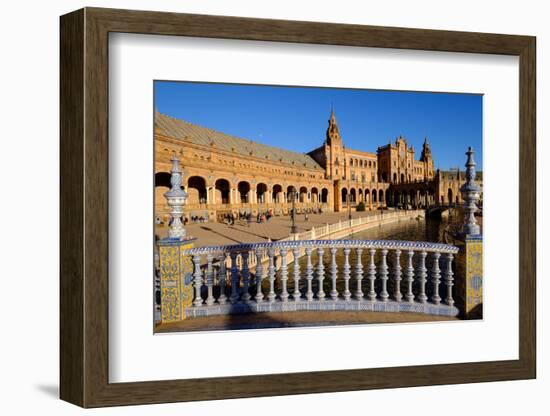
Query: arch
column 344, row 195
column 163, row 179
column 243, row 189
column 450, row 196
column 303, row 194
column 360, row 195
column 196, row 188
column 314, row 195
column 261, row 193
column 374, row 199
column 162, row 185
column 290, row 191
column 395, row 178
column 380, row 195
column 324, row 195
column 402, row 177
column 352, row 196
column 222, row 191
column 366, row 196
column 277, row 194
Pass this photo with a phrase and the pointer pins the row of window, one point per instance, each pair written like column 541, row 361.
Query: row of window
column 361, row 163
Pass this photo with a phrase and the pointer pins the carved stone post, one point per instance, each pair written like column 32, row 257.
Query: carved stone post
column 176, row 268
column 176, row 198
column 471, row 284
column 470, row 194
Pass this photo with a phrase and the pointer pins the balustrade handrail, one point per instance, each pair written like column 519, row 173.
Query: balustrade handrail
column 364, row 244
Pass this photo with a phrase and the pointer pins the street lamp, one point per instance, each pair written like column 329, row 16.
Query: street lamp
column 293, row 228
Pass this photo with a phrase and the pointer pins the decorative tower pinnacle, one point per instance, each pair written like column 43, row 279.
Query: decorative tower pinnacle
column 333, row 134
column 176, row 198
column 426, row 151
column 470, row 193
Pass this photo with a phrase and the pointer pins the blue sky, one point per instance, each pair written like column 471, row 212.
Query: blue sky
column 295, row 118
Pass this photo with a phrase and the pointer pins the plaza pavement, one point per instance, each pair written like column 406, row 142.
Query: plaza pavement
column 212, row 233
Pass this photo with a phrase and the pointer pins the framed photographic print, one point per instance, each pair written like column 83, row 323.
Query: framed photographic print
column 256, row 207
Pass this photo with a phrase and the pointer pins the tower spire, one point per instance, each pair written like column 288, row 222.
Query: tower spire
column 333, row 133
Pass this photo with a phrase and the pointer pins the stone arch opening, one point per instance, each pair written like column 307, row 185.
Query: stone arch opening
column 196, row 189
column 277, row 194
column 162, row 185
column 290, row 193
column 344, row 195
column 303, row 194
column 324, row 195
column 381, row 195
column 222, row 191
column 261, row 193
column 314, row 195
column 352, row 196
column 244, row 192
column 374, row 199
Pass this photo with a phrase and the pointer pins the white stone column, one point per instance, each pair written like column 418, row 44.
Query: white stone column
column 176, row 199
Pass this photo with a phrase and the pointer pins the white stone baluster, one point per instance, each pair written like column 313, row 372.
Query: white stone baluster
column 271, row 270
column 449, row 280
column 333, row 273
column 234, row 278
column 309, row 275
column 384, row 295
column 397, row 276
column 359, row 274
column 436, row 278
column 197, row 280
column 209, row 279
column 222, row 299
column 422, row 274
column 409, row 276
column 320, row 273
column 259, row 277
column 372, row 275
column 296, row 295
column 284, row 275
column 346, row 276
column 245, row 271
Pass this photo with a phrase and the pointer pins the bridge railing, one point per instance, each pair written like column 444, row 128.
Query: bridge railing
column 269, row 277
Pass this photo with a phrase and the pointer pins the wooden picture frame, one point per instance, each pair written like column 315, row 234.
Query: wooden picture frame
column 84, row 207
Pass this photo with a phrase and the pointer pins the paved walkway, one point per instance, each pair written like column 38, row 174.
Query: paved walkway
column 212, row 233
column 295, row 319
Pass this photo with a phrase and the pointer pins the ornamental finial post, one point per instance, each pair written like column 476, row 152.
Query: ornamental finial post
column 470, row 194
column 176, row 198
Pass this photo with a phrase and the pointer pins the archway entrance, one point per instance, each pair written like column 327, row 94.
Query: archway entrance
column 222, row 191
column 243, row 189
column 261, row 193
column 196, row 188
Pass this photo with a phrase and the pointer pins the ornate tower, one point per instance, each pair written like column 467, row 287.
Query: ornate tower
column 334, row 150
column 427, row 159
